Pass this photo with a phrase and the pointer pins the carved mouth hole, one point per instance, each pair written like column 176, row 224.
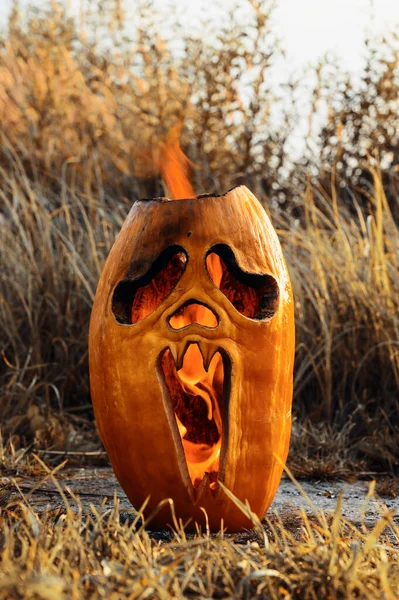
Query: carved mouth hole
column 199, row 401
column 254, row 295
column 193, row 312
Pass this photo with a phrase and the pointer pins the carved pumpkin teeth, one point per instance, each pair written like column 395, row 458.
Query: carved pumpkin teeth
column 208, row 351
column 180, row 350
column 173, row 350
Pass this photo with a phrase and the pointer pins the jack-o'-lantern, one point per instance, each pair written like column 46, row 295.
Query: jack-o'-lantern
column 191, row 357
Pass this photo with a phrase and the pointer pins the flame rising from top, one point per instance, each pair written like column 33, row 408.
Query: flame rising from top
column 175, row 167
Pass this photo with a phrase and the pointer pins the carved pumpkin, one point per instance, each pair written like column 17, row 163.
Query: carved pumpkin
column 191, row 356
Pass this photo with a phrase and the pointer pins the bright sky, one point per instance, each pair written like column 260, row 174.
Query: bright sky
column 307, row 28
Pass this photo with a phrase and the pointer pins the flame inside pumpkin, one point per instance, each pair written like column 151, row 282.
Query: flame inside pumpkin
column 197, row 397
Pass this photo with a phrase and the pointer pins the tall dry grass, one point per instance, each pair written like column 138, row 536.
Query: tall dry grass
column 78, row 124
column 345, row 272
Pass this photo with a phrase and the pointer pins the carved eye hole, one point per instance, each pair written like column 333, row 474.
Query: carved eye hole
column 253, row 295
column 135, row 299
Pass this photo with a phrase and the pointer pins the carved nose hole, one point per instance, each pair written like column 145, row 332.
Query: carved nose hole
column 192, row 312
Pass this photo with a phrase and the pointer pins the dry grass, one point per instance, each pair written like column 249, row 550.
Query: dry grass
column 345, row 275
column 76, row 553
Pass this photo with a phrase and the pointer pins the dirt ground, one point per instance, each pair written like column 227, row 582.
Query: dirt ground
column 92, row 485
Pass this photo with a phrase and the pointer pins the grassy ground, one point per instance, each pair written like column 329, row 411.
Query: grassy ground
column 70, row 551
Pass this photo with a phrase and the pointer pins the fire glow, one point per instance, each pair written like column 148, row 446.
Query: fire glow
column 197, row 397
column 202, row 457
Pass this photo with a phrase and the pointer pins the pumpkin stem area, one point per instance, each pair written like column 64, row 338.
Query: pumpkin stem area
column 197, row 402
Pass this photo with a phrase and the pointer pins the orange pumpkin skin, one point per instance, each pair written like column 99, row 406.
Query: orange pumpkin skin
column 128, row 393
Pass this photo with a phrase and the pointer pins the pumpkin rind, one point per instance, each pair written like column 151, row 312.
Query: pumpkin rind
column 127, row 387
